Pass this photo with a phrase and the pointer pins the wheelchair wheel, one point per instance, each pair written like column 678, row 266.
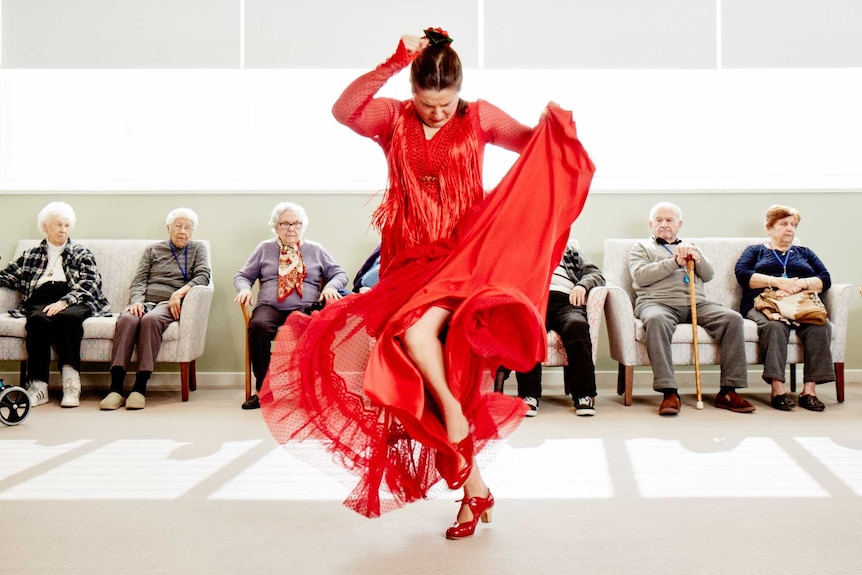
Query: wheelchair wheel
column 14, row 405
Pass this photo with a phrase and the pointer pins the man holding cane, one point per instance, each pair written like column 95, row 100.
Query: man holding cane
column 658, row 267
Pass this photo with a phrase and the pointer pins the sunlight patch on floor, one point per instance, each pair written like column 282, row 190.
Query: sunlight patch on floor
column 164, row 469
column 755, row 467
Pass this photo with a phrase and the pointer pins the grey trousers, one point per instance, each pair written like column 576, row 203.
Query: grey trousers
column 723, row 324
column 147, row 331
column 816, row 348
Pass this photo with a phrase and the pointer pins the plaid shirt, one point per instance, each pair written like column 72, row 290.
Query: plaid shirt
column 82, row 275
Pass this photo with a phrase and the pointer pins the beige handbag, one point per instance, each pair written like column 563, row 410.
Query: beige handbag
column 802, row 307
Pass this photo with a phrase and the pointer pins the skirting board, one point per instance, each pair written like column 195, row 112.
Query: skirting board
column 552, row 381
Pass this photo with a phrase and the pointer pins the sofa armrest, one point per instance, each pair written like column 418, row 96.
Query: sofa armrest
column 595, row 313
column 9, row 299
column 193, row 322
column 837, row 302
column 620, row 317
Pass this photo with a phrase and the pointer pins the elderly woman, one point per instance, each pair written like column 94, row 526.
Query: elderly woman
column 788, row 268
column 60, row 287
column 294, row 274
column 166, row 272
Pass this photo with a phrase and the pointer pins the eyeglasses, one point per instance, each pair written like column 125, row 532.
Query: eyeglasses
column 289, row 225
column 182, row 228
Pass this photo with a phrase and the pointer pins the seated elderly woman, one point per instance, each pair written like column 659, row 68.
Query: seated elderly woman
column 789, row 269
column 60, row 287
column 166, row 272
column 294, row 274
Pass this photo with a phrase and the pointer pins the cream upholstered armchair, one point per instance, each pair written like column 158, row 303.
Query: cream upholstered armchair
column 183, row 342
column 626, row 332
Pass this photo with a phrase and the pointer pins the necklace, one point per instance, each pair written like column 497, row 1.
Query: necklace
column 183, row 270
column 783, row 262
column 51, row 266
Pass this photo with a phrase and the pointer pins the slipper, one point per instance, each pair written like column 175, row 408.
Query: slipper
column 782, row 402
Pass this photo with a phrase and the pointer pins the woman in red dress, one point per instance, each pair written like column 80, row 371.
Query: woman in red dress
column 395, row 382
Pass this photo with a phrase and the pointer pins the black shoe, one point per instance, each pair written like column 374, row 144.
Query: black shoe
column 811, row 403
column 782, row 402
column 253, row 402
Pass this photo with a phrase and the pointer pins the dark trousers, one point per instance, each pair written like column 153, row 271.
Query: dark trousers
column 570, row 323
column 816, row 348
column 262, row 328
column 64, row 331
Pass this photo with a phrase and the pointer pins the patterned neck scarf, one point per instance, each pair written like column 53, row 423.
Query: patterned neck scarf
column 291, row 270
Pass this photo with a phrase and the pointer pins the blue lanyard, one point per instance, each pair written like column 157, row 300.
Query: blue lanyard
column 685, row 278
column 782, row 262
column 184, row 271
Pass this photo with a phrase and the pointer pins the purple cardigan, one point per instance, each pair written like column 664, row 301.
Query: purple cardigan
column 262, row 266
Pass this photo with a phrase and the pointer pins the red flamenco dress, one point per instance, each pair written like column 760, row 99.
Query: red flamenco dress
column 341, row 382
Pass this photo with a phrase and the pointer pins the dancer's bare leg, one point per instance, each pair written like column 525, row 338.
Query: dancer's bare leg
column 422, row 342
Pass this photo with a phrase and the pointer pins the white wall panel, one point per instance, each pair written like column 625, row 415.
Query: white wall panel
column 791, row 33
column 121, row 33
column 600, row 34
column 259, row 130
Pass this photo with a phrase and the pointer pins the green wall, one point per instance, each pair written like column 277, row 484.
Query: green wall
column 236, row 223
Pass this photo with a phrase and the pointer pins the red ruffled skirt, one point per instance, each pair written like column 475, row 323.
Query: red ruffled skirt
column 341, row 383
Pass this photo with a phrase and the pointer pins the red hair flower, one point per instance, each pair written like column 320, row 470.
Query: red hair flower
column 437, row 36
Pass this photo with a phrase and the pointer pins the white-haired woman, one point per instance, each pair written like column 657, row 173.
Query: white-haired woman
column 294, row 274
column 60, row 287
column 166, row 272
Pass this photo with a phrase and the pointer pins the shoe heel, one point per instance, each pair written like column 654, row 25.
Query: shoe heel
column 486, row 516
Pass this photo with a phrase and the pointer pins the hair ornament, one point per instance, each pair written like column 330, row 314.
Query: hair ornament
column 437, row 36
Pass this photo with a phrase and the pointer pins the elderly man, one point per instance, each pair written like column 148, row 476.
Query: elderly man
column 661, row 284
column 166, row 272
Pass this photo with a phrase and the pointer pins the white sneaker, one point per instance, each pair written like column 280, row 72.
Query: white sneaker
column 532, row 406
column 38, row 392
column 585, row 406
column 71, row 392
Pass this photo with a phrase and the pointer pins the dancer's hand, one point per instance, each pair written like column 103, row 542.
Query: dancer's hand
column 414, row 43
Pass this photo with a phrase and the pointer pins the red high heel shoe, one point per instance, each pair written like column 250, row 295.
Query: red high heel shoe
column 481, row 508
column 448, row 466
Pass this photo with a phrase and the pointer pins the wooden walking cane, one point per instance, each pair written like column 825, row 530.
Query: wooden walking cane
column 690, row 266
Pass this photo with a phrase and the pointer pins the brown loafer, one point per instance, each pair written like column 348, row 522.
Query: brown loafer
column 670, row 405
column 734, row 402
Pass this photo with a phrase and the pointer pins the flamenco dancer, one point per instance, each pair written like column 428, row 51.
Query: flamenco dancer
column 395, row 382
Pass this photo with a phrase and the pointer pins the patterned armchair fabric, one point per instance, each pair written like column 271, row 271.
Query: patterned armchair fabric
column 183, row 341
column 626, row 333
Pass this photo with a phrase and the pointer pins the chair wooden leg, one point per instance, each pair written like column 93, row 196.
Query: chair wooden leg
column 184, row 380
column 247, row 368
column 193, row 376
column 625, row 382
column 630, row 380
column 621, row 379
column 839, row 381
column 793, row 377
